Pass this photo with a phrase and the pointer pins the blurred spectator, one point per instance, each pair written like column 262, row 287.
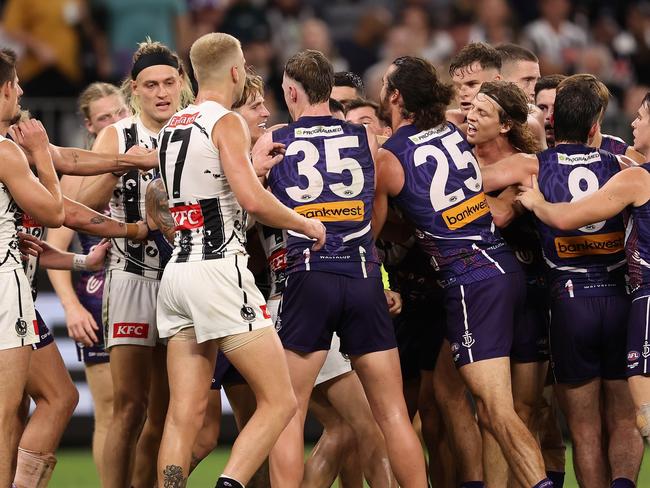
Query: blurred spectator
column 315, row 34
column 285, row 18
column 634, row 44
column 437, row 44
column 556, row 40
column 129, row 22
column 361, row 50
column 205, row 16
column 494, row 23
column 49, row 32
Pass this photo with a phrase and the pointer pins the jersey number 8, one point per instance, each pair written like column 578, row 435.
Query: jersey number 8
column 577, row 178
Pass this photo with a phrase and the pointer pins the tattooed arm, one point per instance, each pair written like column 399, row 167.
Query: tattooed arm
column 158, row 215
column 83, row 219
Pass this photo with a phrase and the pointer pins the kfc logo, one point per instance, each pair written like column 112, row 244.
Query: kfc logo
column 187, row 217
column 131, row 330
column 278, row 260
column 29, row 222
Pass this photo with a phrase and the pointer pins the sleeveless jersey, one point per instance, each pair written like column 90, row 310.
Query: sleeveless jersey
column 637, row 247
column 328, row 172
column 90, row 284
column 128, row 205
column 9, row 253
column 28, row 225
column 274, row 242
column 613, row 144
column 210, row 223
column 443, row 197
column 589, row 261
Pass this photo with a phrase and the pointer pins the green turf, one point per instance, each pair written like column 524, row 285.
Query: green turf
column 75, row 469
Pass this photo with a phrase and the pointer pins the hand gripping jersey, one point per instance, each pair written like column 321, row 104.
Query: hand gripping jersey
column 614, row 145
column 443, row 197
column 274, row 243
column 9, row 215
column 210, row 223
column 90, row 284
column 522, row 237
column 128, row 205
column 589, row 261
column 637, row 247
column 328, row 172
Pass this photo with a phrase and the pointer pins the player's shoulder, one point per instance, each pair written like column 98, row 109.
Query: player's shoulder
column 124, row 123
column 12, row 156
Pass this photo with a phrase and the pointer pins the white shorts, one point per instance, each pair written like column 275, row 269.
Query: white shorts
column 217, row 297
column 129, row 309
column 18, row 325
column 336, row 363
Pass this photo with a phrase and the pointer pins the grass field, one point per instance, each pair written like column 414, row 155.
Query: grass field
column 75, row 469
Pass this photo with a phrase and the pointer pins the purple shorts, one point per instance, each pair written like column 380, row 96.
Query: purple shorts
column 95, row 354
column 46, row 337
column 588, row 337
column 317, row 304
column 225, row 373
column 638, row 337
column 530, row 341
column 481, row 317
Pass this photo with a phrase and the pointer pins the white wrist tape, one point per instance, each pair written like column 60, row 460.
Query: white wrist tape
column 79, row 262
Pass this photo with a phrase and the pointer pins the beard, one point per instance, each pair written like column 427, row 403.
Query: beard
column 384, row 108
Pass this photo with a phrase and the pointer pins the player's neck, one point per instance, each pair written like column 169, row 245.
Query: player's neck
column 317, row 110
column 4, row 128
column 597, row 140
column 223, row 96
column 492, row 151
column 150, row 123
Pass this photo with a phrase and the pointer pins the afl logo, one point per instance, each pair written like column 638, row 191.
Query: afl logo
column 306, row 197
column 247, row 313
column 633, row 356
column 348, row 192
column 21, row 328
column 453, row 198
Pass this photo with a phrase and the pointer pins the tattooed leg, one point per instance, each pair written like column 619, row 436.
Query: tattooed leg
column 173, row 477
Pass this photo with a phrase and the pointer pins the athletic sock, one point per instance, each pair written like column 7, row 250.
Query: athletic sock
column 227, row 482
column 545, row 483
column 557, row 477
column 623, row 483
column 472, row 484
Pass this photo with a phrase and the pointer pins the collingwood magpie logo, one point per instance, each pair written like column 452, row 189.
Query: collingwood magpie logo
column 247, row 313
column 468, row 340
column 21, row 327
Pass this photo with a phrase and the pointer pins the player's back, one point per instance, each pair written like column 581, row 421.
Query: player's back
column 328, row 172
column 210, row 223
column 443, row 196
column 637, row 246
column 589, row 261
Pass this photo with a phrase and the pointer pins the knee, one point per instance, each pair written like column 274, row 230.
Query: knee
column 130, row 408
column 282, row 407
column 525, row 410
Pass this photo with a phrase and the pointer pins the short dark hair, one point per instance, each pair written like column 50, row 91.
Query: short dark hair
column 336, row 106
column 425, row 97
column 511, row 53
column 476, row 52
column 7, row 66
column 596, row 85
column 363, row 102
column 314, row 72
column 348, row 78
column 577, row 109
column 548, row 82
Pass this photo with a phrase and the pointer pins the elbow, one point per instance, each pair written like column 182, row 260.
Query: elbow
column 250, row 203
column 54, row 219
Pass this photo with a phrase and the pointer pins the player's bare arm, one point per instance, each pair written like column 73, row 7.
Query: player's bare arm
column 504, row 208
column 266, row 154
column 39, row 197
column 86, row 220
column 250, row 194
column 630, row 187
column 52, row 257
column 158, row 214
column 389, row 182
column 513, row 170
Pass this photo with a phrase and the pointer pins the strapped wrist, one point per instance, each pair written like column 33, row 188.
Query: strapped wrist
column 79, row 262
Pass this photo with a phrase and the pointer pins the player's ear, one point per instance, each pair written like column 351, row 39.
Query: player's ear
column 234, row 73
column 505, row 127
column 594, row 129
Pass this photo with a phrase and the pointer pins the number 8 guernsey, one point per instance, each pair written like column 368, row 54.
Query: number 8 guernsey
column 443, row 196
column 328, row 172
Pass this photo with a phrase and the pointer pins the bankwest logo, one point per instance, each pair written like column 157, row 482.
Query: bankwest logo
column 573, row 159
column 185, row 119
column 351, row 210
column 570, row 247
column 466, row 212
column 131, row 330
column 319, row 131
column 187, row 216
column 427, row 135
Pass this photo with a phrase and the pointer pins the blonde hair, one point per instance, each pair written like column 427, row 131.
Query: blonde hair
column 211, row 53
column 94, row 92
column 154, row 47
column 252, row 87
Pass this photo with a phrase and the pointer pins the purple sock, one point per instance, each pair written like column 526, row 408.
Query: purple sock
column 472, row 484
column 545, row 483
column 557, row 477
column 623, row 483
